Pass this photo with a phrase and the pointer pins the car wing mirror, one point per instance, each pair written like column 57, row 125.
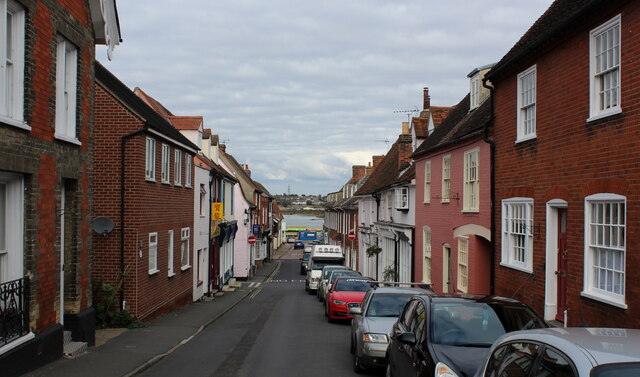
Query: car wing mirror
column 407, row 338
column 355, row 310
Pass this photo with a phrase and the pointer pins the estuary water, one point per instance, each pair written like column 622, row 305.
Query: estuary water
column 295, row 221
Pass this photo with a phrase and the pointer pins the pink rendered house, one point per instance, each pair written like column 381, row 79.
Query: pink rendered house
column 453, row 206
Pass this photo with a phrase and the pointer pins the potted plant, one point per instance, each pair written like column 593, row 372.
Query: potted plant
column 373, row 250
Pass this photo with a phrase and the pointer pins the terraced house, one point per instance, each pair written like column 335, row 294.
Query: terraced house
column 47, row 52
column 566, row 129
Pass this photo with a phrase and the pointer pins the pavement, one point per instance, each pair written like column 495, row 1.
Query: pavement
column 135, row 350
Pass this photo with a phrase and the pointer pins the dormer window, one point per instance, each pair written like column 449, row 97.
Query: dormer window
column 474, row 100
column 402, row 198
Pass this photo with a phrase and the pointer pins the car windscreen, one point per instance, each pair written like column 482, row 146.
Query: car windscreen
column 327, row 272
column 305, row 257
column 319, row 264
column 352, row 285
column 387, row 305
column 337, row 273
column 478, row 324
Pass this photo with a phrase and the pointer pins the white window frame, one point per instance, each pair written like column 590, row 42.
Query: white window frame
column 187, row 169
column 426, row 255
column 203, row 200
column 12, row 53
column 474, row 92
column 153, row 253
column 446, row 179
column 402, row 197
column 170, row 271
column 185, row 241
column 66, row 90
column 12, row 212
column 463, row 264
column 517, row 242
column 427, row 182
column 177, row 179
column 166, row 164
column 527, row 99
column 605, row 237
column 150, row 161
column 604, row 103
column 471, row 195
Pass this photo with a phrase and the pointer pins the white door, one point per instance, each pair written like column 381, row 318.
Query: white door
column 11, row 226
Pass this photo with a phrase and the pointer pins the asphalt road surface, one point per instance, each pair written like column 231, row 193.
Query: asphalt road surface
column 279, row 330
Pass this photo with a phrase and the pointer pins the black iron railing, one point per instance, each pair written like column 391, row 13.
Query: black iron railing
column 14, row 310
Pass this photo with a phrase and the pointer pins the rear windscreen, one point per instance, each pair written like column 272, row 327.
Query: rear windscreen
column 353, row 285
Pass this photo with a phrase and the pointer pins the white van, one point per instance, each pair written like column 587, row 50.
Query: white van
column 322, row 255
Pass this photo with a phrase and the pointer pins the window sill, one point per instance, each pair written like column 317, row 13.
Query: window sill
column 471, row 211
column 445, row 202
column 185, row 267
column 153, row 272
column 187, row 186
column 150, row 179
column 67, row 139
column 15, row 123
column 171, row 274
column 525, row 138
column 177, row 184
column 166, row 183
column 604, row 299
column 605, row 114
column 518, row 268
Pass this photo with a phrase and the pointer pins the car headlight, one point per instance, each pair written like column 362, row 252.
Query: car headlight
column 371, row 337
column 443, row 370
column 338, row 302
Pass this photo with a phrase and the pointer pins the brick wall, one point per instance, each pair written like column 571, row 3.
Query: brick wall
column 569, row 160
column 149, row 207
column 48, row 164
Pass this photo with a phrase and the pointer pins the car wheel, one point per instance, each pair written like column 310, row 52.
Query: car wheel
column 352, row 348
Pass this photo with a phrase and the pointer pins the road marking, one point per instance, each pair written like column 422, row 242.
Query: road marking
column 274, row 273
column 255, row 293
column 254, row 284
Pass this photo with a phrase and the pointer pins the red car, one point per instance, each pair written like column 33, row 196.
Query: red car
column 346, row 291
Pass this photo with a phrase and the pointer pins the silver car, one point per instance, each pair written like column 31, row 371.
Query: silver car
column 565, row 352
column 372, row 323
column 326, row 272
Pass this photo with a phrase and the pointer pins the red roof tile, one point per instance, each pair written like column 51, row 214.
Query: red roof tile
column 186, row 122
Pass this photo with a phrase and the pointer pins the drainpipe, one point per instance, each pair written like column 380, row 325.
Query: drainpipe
column 492, row 145
column 123, row 143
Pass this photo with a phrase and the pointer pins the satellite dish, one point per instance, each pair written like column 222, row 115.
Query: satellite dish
column 102, row 225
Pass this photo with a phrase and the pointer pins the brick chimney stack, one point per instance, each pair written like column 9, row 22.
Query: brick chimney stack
column 426, row 99
column 377, row 160
column 357, row 173
column 246, row 169
column 223, row 148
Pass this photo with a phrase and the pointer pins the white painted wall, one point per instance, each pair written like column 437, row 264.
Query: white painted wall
column 201, row 234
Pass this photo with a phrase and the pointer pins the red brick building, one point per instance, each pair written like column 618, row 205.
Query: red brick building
column 566, row 130
column 47, row 54
column 144, row 185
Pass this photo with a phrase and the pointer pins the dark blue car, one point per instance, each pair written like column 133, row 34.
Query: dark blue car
column 298, row 245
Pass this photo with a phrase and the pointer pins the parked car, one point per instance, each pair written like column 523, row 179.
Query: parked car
column 322, row 255
column 291, row 239
column 565, row 352
column 324, row 285
column 308, row 248
column 372, row 323
column 304, row 263
column 346, row 291
column 298, row 245
column 326, row 272
column 449, row 335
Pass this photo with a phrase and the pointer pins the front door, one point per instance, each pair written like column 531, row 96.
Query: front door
column 446, row 269
column 561, row 273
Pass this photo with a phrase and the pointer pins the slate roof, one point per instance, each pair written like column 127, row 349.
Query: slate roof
column 561, row 16
column 263, row 189
column 459, row 125
column 151, row 118
column 186, row 123
column 407, row 176
column 388, row 170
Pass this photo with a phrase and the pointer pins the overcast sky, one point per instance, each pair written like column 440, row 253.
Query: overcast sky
column 302, row 90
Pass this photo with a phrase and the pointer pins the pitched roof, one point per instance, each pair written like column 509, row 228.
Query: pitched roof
column 151, row 118
column 155, row 105
column 561, row 16
column 185, row 123
column 421, row 123
column 459, row 125
column 263, row 189
column 388, row 170
column 202, row 160
column 407, row 175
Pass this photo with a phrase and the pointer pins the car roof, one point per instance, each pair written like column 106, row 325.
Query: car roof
column 400, row 290
column 603, row 345
column 457, row 297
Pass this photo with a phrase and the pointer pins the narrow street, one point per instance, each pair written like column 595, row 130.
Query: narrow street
column 278, row 330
